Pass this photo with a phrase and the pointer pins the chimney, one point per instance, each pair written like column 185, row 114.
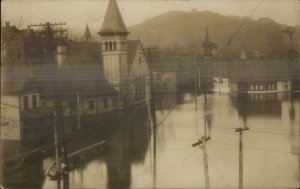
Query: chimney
column 61, row 55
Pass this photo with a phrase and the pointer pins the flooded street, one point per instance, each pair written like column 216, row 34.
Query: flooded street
column 270, row 148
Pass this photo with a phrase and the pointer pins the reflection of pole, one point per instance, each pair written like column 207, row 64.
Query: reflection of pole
column 195, row 92
column 65, row 170
column 153, row 115
column 56, row 152
column 207, row 185
column 78, row 111
column 240, row 130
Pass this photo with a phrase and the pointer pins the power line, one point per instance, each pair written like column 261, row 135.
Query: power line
column 239, row 28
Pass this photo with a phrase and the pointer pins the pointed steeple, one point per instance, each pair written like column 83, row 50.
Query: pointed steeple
column 87, row 33
column 113, row 22
column 207, row 36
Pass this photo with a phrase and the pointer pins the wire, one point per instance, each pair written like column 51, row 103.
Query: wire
column 239, row 28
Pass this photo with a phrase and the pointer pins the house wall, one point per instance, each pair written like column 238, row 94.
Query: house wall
column 139, row 71
column 261, row 87
column 284, row 86
column 233, row 87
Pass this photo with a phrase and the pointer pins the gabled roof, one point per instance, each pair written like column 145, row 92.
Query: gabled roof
column 263, row 72
column 83, row 53
column 88, row 81
column 113, row 22
column 132, row 47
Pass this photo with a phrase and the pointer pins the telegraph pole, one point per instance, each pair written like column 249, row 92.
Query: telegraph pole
column 153, row 115
column 241, row 130
column 202, row 144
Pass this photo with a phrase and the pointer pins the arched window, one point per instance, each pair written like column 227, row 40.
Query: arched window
column 115, row 45
column 110, row 45
column 106, row 46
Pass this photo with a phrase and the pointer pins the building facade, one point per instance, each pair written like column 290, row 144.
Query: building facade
column 92, row 81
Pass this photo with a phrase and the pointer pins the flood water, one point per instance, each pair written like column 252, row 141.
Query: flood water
column 270, row 148
column 140, row 158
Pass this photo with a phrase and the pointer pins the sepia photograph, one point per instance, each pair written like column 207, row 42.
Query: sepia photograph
column 150, row 94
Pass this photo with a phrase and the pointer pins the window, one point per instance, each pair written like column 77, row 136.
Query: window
column 19, row 55
column 110, row 45
column 91, row 105
column 26, row 103
column 136, row 88
column 140, row 87
column 256, row 87
column 115, row 45
column 105, row 103
column 106, row 46
column 34, row 101
column 251, row 87
column 140, row 60
column 269, row 86
column 273, row 86
column 261, row 87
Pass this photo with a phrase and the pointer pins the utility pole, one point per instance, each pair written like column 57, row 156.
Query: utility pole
column 241, row 130
column 153, row 116
column 57, row 157
column 50, row 35
column 202, row 144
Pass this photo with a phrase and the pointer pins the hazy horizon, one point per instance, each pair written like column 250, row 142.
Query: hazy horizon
column 78, row 13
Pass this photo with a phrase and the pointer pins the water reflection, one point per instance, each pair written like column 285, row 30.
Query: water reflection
column 27, row 172
column 128, row 144
column 137, row 159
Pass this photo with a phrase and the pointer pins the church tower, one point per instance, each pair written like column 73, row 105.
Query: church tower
column 208, row 46
column 114, row 48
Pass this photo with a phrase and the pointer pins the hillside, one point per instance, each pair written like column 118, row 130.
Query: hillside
column 186, row 30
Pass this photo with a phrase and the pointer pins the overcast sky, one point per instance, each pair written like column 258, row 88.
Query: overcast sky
column 77, row 13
